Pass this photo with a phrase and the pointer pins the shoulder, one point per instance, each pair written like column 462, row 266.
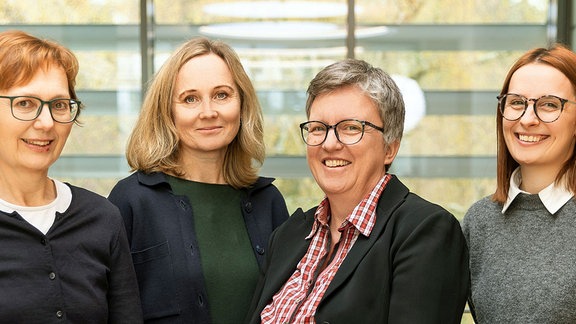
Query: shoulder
column 263, row 184
column 140, row 178
column 137, row 183
column 85, row 197
column 264, row 189
column 93, row 207
column 416, row 212
column 298, row 222
column 409, row 208
column 481, row 211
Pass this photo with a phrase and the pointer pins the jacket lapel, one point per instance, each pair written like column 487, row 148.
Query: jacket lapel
column 289, row 249
column 392, row 196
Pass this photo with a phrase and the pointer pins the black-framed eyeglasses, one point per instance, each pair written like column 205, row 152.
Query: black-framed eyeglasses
column 547, row 108
column 26, row 108
column 347, row 131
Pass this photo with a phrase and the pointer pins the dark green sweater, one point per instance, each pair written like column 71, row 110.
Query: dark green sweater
column 229, row 265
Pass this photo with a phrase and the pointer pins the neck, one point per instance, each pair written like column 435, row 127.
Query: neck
column 535, row 179
column 27, row 190
column 339, row 210
column 206, row 169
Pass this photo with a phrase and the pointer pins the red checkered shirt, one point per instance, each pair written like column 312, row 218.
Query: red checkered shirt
column 298, row 299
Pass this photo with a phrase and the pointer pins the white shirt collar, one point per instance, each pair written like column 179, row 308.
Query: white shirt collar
column 553, row 197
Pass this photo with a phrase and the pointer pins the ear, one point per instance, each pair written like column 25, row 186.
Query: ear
column 391, row 151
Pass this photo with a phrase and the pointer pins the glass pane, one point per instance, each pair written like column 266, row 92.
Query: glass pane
column 70, row 12
column 450, row 63
column 451, row 12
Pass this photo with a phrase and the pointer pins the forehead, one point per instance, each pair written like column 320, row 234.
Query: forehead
column 348, row 102
column 536, row 80
column 208, row 68
column 45, row 82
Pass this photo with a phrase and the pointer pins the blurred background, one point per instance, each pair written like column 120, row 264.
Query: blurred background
column 448, row 56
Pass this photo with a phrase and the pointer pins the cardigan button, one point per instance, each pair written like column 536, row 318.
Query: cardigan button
column 248, row 207
column 259, row 249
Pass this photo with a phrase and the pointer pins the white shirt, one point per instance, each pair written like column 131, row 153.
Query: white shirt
column 553, row 197
column 42, row 217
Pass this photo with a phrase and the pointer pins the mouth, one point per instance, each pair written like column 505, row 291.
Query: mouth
column 335, row 163
column 40, row 143
column 531, row 138
column 209, row 129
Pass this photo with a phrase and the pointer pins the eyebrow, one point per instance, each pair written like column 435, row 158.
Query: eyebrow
column 218, row 87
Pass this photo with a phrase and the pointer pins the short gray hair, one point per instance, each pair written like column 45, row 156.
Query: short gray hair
column 377, row 85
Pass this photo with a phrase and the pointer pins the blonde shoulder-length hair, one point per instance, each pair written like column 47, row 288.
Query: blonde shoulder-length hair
column 153, row 145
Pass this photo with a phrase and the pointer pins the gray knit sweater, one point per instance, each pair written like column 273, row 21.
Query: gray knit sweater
column 523, row 262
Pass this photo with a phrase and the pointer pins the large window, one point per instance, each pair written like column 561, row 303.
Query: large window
column 449, row 63
column 448, row 56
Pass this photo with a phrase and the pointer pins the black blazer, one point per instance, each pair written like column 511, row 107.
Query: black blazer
column 413, row 268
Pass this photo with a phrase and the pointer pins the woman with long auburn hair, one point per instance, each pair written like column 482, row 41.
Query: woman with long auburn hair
column 522, row 239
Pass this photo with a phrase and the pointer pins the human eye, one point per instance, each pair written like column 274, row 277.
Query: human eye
column 350, row 127
column 549, row 103
column 25, row 103
column 316, row 128
column 222, row 95
column 515, row 102
column 60, row 105
column 191, row 100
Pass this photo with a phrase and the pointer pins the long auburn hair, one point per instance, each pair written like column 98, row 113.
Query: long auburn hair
column 564, row 60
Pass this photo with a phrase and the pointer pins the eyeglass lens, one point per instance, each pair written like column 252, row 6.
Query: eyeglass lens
column 347, row 132
column 547, row 108
column 29, row 108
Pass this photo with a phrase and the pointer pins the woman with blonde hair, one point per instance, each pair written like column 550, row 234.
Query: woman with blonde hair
column 197, row 214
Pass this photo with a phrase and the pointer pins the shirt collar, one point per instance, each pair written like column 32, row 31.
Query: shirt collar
column 363, row 217
column 553, row 197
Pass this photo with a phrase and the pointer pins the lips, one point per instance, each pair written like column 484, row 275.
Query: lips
column 335, row 163
column 531, row 138
column 37, row 142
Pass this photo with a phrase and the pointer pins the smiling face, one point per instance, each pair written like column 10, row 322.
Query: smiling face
column 207, row 106
column 33, row 146
column 348, row 170
column 531, row 142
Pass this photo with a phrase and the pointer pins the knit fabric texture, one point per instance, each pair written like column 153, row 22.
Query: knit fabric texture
column 523, row 262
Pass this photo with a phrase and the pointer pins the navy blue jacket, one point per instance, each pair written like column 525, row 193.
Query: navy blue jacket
column 162, row 238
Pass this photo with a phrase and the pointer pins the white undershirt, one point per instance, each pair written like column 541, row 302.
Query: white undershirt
column 42, row 217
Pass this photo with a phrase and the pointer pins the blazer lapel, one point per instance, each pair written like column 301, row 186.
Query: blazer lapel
column 289, row 248
column 392, row 196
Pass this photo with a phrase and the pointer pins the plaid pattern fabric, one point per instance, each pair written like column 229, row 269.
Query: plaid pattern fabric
column 298, row 299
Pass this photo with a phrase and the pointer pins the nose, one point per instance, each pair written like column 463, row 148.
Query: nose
column 44, row 119
column 207, row 111
column 331, row 139
column 530, row 116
